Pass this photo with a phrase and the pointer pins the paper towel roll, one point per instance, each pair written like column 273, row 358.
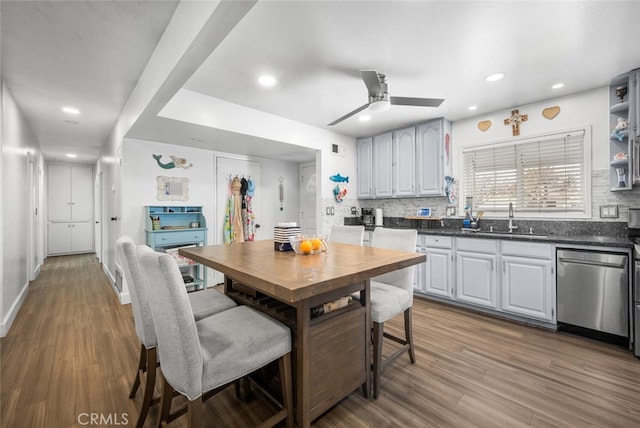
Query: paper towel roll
column 378, row 216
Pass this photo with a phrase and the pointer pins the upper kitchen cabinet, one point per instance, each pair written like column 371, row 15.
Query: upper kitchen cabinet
column 624, row 139
column 383, row 165
column 365, row 164
column 432, row 156
column 405, row 162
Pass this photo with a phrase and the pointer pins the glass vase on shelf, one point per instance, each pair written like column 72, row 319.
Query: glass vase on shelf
column 622, row 177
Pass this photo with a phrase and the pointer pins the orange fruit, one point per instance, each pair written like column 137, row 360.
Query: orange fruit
column 306, row 246
column 316, row 243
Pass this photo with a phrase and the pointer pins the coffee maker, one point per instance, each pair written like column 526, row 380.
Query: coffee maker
column 367, row 217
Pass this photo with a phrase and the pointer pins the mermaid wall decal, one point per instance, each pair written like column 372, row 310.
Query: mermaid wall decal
column 176, row 162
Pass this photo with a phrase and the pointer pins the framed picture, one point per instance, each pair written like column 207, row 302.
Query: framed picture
column 424, row 212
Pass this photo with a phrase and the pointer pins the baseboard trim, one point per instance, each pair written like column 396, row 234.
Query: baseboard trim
column 123, row 297
column 13, row 311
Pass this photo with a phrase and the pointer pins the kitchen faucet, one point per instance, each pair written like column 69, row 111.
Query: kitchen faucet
column 511, row 226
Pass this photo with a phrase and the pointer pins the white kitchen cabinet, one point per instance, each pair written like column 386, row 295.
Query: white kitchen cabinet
column 432, row 157
column 70, row 237
column 476, row 277
column 383, row 165
column 527, row 284
column 364, row 166
column 404, row 162
column 435, row 276
column 70, row 208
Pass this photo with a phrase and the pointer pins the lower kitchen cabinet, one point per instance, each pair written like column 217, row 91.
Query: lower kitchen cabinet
column 476, row 279
column 526, row 287
column 510, row 277
column 70, row 237
column 527, row 283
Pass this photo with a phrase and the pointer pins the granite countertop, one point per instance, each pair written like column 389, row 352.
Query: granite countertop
column 595, row 240
column 584, row 233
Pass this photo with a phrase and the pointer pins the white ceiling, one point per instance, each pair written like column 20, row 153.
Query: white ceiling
column 91, row 53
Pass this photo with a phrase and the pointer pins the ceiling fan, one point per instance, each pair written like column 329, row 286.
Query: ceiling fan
column 379, row 98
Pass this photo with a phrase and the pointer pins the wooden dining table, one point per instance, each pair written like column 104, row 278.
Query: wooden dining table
column 332, row 352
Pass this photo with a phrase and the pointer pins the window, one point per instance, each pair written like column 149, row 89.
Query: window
column 542, row 175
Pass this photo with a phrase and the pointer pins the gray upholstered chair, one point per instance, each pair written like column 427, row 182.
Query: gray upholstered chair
column 204, row 357
column 203, row 305
column 347, row 234
column 391, row 295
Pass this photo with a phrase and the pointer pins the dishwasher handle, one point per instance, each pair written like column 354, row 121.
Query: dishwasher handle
column 593, row 263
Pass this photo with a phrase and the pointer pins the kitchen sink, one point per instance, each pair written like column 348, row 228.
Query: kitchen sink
column 514, row 235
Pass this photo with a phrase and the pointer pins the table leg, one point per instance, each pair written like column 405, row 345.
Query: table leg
column 303, row 392
column 365, row 299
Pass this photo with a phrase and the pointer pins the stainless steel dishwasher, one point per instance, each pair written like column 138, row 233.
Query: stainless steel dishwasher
column 593, row 291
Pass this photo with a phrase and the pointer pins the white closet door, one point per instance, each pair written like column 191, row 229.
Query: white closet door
column 59, row 192
column 59, row 238
column 82, row 237
column 81, row 193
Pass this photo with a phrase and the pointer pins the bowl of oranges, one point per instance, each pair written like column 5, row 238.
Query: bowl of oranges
column 308, row 245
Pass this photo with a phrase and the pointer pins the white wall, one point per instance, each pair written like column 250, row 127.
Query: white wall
column 590, row 108
column 139, row 177
column 18, row 143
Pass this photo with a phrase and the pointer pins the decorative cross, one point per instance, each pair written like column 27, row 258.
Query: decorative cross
column 514, row 120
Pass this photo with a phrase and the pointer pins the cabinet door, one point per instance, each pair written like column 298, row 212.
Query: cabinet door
column 429, row 159
column 527, row 287
column 365, row 162
column 59, row 238
column 438, row 278
column 476, row 279
column 404, row 162
column 59, row 192
column 81, row 237
column 81, row 193
column 382, row 165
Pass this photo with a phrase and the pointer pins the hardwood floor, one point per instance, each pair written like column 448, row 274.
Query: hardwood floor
column 72, row 352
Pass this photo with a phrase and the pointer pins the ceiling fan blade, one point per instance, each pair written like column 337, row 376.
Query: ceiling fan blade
column 372, row 81
column 420, row 102
column 348, row 115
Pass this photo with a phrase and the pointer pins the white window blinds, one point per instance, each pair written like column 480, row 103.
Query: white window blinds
column 536, row 175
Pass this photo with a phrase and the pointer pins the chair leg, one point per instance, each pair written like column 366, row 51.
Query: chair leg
column 149, row 386
column 408, row 332
column 378, row 332
column 141, row 368
column 165, row 402
column 195, row 413
column 287, row 386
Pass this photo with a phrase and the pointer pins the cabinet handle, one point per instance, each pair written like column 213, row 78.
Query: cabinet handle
column 504, row 266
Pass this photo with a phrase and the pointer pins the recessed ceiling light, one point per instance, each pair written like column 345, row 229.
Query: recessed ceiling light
column 558, row 86
column 70, row 110
column 473, row 107
column 364, row 118
column 72, row 155
column 267, row 81
column 494, row 77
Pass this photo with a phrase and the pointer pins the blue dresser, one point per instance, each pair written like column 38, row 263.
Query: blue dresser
column 169, row 228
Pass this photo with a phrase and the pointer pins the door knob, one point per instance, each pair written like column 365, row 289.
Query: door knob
column 114, row 218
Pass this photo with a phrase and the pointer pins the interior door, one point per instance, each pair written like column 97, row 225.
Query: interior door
column 59, row 192
column 308, row 209
column 226, row 169
column 81, row 193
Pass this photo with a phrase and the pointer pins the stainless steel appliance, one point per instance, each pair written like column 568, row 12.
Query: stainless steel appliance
column 634, row 235
column 593, row 293
column 367, row 217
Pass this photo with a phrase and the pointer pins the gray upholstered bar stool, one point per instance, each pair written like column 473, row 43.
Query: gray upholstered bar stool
column 391, row 295
column 347, row 234
column 204, row 357
column 203, row 304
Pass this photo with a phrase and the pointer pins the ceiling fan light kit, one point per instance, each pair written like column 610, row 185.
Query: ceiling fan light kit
column 379, row 98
